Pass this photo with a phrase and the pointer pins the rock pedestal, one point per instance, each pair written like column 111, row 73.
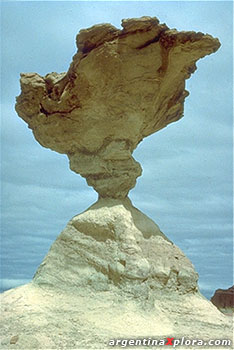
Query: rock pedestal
column 111, row 273
column 114, row 243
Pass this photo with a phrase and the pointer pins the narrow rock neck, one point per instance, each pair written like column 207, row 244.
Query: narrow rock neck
column 112, row 174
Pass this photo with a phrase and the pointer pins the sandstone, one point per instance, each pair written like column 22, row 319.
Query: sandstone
column 82, row 318
column 111, row 273
column 114, row 243
column 122, row 86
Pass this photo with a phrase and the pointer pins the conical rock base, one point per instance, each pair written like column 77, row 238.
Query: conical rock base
column 111, row 274
column 113, row 243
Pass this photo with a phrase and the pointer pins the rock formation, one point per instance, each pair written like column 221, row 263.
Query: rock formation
column 114, row 243
column 224, row 299
column 111, row 273
column 122, row 86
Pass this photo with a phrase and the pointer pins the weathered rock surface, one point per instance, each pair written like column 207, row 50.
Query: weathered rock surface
column 51, row 318
column 114, row 243
column 224, row 299
column 122, row 86
column 111, row 273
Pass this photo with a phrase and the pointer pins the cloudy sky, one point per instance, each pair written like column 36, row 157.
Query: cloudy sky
column 186, row 187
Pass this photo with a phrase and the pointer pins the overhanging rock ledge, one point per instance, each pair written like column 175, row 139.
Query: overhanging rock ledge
column 122, row 86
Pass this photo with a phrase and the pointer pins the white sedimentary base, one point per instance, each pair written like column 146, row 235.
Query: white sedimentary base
column 111, row 274
column 113, row 242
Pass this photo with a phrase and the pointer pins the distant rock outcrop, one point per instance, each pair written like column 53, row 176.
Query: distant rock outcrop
column 224, row 299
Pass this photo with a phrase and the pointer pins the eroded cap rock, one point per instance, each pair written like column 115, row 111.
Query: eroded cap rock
column 122, row 86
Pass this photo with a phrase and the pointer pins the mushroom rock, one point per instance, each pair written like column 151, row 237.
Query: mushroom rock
column 122, row 86
column 111, row 273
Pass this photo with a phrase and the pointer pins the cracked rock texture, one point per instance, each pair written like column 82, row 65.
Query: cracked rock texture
column 122, row 86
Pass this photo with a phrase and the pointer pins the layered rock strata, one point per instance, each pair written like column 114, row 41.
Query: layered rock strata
column 122, row 86
column 114, row 243
column 111, row 273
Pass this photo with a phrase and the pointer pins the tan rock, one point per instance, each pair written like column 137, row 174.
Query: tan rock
column 122, row 86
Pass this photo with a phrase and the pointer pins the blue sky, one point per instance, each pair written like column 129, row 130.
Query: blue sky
column 186, row 186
